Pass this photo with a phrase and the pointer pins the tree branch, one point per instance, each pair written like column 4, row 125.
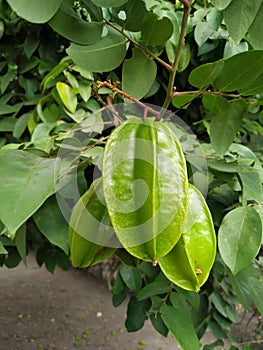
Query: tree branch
column 114, row 88
column 170, row 90
column 143, row 48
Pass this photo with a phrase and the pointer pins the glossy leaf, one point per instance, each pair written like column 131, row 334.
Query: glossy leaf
column 91, row 235
column 179, row 322
column 67, row 96
column 138, row 74
column 134, row 13
column 214, row 104
column 136, row 314
column 221, row 4
column 109, row 3
column 185, row 265
column 185, row 58
column 155, row 31
column 255, row 28
column 205, row 75
column 239, row 237
column 36, row 11
column 231, row 48
column 102, row 56
column 52, row 224
column 182, row 100
column 225, row 125
column 239, row 15
column 131, row 277
column 202, row 33
column 68, row 24
column 158, row 324
column 154, row 288
column 243, row 72
column 2, row 249
column 126, row 258
column 94, row 11
column 146, row 205
column 27, row 181
column 20, row 242
column 251, row 278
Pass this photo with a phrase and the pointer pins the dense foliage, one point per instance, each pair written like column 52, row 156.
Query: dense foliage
column 69, row 71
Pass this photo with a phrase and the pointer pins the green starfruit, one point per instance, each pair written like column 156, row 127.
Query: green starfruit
column 91, row 235
column 145, row 187
column 188, row 264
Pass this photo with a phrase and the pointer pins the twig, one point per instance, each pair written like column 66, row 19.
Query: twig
column 143, row 48
column 170, row 90
column 114, row 88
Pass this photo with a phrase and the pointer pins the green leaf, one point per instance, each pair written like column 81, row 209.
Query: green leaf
column 154, row 288
column 126, row 258
column 179, row 322
column 7, row 78
column 132, row 277
column 225, row 125
column 214, row 18
column 147, row 214
column 7, row 124
column 181, row 100
column 138, row 74
column 26, row 182
column 35, row 11
column 156, row 31
column 241, row 289
column 221, row 4
column 20, row 241
column 134, row 12
column 59, row 68
column 239, row 15
column 84, row 89
column 215, row 344
column 109, row 3
column 214, row 103
column 185, row 58
column 94, row 11
column 91, row 235
column 202, row 33
column 205, row 75
column 239, row 238
column 21, row 124
column 158, row 324
column 243, row 72
column 52, row 224
column 6, row 109
column 251, row 277
column 222, row 306
column 67, row 96
column 231, row 48
column 136, row 314
column 251, row 186
column 68, row 24
column 2, row 249
column 102, row 56
column 216, row 329
column 13, row 258
column 255, row 28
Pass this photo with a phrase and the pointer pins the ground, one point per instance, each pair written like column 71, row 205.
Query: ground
column 65, row 311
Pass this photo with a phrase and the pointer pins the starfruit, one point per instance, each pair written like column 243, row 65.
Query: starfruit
column 145, row 187
column 91, row 236
column 188, row 264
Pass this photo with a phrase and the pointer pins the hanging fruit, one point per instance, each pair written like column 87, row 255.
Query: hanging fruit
column 145, row 187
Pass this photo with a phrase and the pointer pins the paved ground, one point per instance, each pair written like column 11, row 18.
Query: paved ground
column 67, row 310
